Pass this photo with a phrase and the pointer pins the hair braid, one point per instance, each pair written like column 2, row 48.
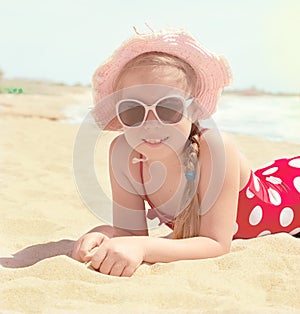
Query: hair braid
column 187, row 223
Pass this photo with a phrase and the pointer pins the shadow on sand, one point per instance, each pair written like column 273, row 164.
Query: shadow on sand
column 35, row 253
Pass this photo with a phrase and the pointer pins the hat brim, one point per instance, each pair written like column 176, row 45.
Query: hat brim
column 213, row 72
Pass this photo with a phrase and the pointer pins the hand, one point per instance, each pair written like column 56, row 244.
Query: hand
column 119, row 256
column 86, row 244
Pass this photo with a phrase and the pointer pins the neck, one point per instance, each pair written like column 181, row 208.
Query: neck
column 171, row 159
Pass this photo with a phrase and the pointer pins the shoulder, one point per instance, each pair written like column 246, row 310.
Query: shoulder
column 213, row 134
column 219, row 159
column 119, row 152
column 214, row 141
column 218, row 188
column 118, row 141
column 121, row 155
column 120, row 147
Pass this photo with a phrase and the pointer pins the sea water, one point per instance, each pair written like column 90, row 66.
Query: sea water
column 275, row 118
column 272, row 117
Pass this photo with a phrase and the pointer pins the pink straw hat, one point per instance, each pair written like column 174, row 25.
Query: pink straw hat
column 213, row 72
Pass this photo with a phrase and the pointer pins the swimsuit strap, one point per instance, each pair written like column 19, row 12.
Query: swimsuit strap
column 153, row 211
column 142, row 178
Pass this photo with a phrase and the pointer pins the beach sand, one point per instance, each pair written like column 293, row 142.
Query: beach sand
column 42, row 214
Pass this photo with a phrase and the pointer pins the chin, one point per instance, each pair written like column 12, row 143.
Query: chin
column 159, row 152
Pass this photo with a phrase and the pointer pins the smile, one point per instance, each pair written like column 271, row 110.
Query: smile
column 154, row 140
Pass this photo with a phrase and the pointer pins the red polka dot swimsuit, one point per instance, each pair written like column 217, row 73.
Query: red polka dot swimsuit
column 269, row 203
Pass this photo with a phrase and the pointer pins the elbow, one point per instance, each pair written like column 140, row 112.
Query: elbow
column 224, row 252
column 224, row 245
column 224, row 249
column 217, row 251
column 220, row 251
column 221, row 247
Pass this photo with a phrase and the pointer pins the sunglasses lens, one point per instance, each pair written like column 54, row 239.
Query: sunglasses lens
column 170, row 110
column 131, row 113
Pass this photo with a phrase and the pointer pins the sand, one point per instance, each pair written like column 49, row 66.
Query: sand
column 42, row 214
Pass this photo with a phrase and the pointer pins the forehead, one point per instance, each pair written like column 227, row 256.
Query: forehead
column 149, row 93
column 149, row 87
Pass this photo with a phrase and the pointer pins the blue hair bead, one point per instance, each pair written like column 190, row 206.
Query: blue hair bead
column 190, row 175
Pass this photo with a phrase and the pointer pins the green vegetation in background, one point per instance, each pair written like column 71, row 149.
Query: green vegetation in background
column 11, row 90
column 31, row 87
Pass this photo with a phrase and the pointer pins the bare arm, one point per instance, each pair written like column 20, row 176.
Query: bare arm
column 129, row 216
column 111, row 231
column 169, row 250
column 217, row 223
column 218, row 216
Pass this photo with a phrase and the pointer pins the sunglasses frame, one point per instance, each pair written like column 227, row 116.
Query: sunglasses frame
column 185, row 101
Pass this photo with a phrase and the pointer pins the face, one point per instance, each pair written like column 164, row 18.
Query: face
column 153, row 138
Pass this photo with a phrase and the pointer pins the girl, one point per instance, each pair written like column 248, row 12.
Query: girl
column 158, row 88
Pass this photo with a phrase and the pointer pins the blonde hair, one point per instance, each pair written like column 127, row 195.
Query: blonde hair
column 178, row 69
column 187, row 222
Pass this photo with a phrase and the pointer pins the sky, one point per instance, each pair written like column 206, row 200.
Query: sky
column 65, row 40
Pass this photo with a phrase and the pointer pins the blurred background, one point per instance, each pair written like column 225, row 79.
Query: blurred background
column 63, row 41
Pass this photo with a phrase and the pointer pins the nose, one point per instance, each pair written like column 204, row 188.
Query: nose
column 150, row 116
column 151, row 121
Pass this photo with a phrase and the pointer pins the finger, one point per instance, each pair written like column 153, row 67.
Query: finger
column 90, row 254
column 98, row 257
column 128, row 271
column 117, row 269
column 102, row 238
column 88, row 244
column 107, row 264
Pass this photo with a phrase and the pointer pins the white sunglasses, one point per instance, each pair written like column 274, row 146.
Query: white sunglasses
column 168, row 110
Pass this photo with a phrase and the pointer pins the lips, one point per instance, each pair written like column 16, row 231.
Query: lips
column 154, row 141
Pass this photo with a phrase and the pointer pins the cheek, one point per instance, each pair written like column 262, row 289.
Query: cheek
column 133, row 137
column 179, row 136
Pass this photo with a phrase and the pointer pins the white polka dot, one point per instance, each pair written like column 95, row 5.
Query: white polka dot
column 255, row 216
column 286, row 216
column 297, row 183
column 256, row 183
column 249, row 194
column 274, row 196
column 270, row 171
column 236, row 228
column 263, row 233
column 295, row 163
column 295, row 231
column 274, row 180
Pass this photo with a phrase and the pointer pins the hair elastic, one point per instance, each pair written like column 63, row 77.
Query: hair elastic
column 190, row 175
